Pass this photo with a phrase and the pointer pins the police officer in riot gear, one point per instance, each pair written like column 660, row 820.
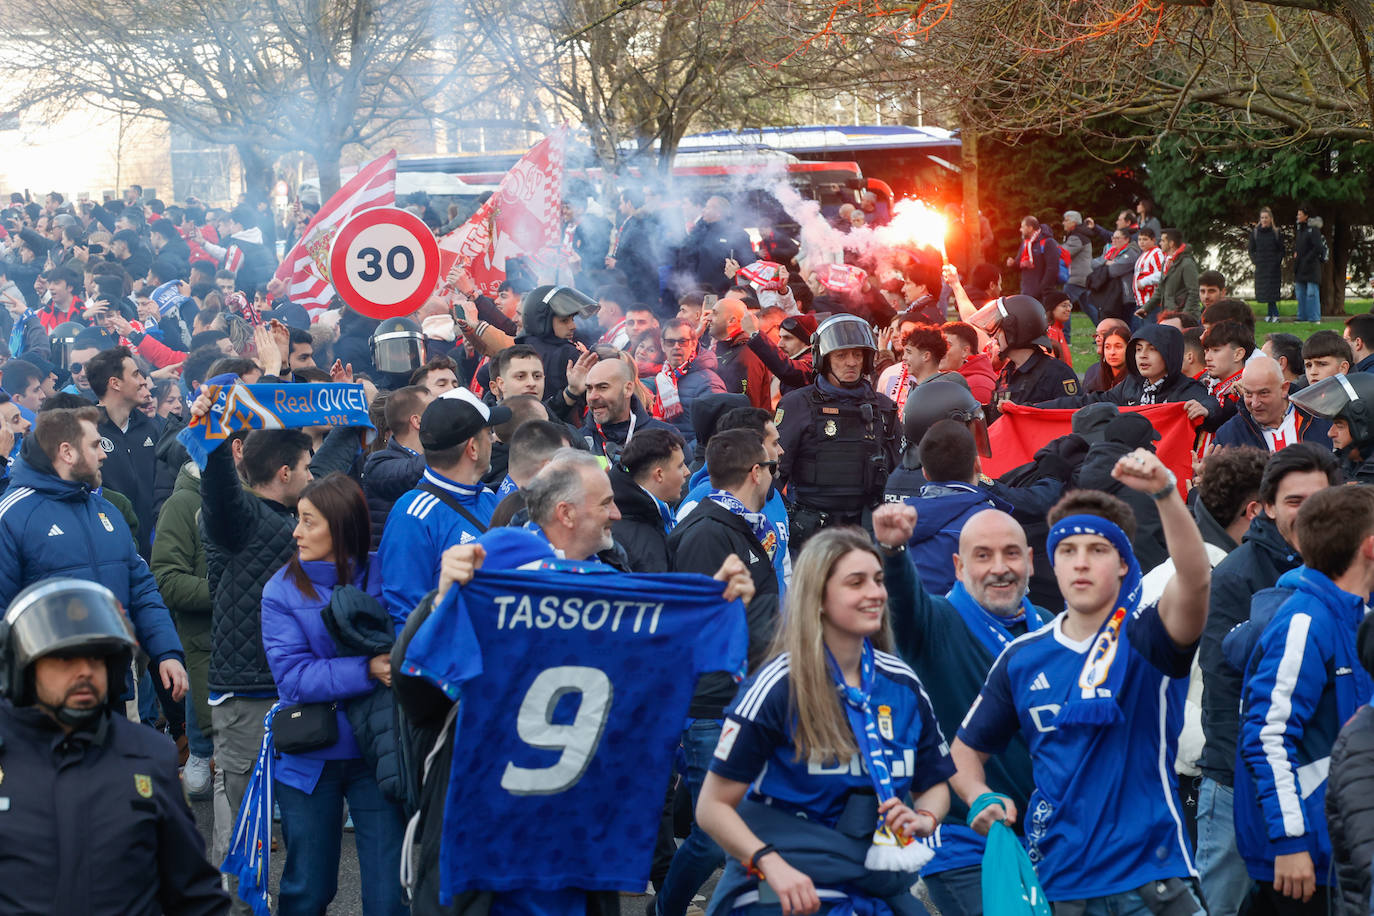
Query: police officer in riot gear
column 1030, row 374
column 1348, row 402
column 936, row 400
column 398, row 349
column 839, row 436
column 93, row 814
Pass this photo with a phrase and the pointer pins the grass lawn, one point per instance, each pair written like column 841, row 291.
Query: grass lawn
column 1081, row 341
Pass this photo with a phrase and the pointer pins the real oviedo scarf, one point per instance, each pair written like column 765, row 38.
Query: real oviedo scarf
column 1104, row 669
column 888, row 851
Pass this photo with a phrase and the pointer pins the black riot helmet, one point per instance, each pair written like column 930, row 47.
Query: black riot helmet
column 1343, row 397
column 940, row 400
column 63, row 617
column 1021, row 319
column 398, row 346
column 63, row 342
column 543, row 303
column 844, row 332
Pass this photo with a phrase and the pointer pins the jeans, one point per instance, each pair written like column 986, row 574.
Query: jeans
column 1225, row 882
column 1273, row 308
column 197, row 740
column 698, row 856
column 1128, row 904
column 957, row 892
column 1309, row 296
column 312, row 826
column 1082, row 299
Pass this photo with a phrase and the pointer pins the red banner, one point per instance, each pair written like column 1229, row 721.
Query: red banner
column 522, row 218
column 306, row 266
column 1021, row 431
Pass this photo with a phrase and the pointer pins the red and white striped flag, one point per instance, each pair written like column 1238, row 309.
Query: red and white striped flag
column 306, row 266
column 523, row 218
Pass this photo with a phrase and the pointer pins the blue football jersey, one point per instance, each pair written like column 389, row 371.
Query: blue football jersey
column 1105, row 817
column 756, row 745
column 574, row 689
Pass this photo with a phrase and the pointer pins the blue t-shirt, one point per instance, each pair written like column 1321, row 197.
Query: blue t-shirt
column 756, row 743
column 1105, row 817
column 574, row 688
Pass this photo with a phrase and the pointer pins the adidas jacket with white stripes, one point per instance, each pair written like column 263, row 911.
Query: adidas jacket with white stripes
column 132, row 468
column 55, row 527
column 1302, row 683
column 418, row 530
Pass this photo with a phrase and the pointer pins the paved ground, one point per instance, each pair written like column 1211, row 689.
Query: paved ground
column 348, row 902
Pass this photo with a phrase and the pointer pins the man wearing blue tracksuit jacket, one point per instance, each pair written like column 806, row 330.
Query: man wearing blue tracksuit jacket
column 52, row 523
column 1303, row 681
column 448, row 506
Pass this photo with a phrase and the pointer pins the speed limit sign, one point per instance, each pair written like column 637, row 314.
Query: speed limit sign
column 384, row 262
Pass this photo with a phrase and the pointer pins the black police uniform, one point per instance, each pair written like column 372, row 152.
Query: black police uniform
column 837, row 454
column 1039, row 378
column 96, row 823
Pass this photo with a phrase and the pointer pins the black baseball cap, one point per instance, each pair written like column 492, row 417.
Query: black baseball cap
column 455, row 417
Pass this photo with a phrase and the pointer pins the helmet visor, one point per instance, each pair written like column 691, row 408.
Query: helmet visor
column 66, row 617
column 1326, row 398
column 846, row 333
column 401, row 352
column 989, row 317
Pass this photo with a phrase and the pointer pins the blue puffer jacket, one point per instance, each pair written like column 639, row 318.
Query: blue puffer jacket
column 1303, row 682
column 55, row 527
column 306, row 665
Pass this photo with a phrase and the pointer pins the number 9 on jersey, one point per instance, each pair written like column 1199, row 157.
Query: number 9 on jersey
column 384, row 262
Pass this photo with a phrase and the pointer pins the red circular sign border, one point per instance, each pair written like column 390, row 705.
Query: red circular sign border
column 338, row 255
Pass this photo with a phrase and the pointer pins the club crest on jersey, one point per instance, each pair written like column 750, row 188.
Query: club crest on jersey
column 106, row 523
column 777, row 417
column 830, row 428
column 143, row 785
column 885, row 722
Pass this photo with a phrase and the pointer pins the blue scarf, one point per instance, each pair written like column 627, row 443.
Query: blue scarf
column 992, row 631
column 1100, row 681
column 666, row 514
column 757, row 521
column 250, row 852
column 17, row 335
column 863, row 723
column 238, row 406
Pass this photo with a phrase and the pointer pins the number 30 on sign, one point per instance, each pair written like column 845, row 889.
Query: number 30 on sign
column 384, row 262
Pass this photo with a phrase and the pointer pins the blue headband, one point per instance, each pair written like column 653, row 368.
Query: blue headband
column 1071, row 525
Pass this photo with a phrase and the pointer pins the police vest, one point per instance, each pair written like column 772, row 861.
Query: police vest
column 843, row 464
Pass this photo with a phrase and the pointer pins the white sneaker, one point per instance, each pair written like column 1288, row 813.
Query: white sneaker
column 196, row 776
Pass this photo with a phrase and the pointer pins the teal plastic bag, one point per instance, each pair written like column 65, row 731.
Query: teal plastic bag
column 1010, row 887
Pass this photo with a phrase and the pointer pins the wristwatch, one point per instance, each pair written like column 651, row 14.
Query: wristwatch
column 1163, row 492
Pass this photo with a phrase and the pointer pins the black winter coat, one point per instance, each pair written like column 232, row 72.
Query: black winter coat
column 1267, row 249
column 640, row 529
column 388, row 475
column 700, row 543
column 1263, row 556
column 359, row 625
column 1350, row 812
column 97, row 823
column 706, row 248
column 132, row 468
column 1307, row 263
column 247, row 539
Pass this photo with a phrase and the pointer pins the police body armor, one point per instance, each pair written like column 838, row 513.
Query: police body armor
column 844, row 465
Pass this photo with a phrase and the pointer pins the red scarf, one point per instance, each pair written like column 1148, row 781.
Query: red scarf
column 1027, row 254
column 1169, row 261
column 1113, row 252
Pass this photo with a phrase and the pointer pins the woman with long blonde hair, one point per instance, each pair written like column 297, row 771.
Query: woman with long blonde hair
column 824, row 747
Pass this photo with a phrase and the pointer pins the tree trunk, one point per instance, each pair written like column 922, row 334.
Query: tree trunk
column 257, row 172
column 1334, row 271
column 973, row 224
column 327, row 167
